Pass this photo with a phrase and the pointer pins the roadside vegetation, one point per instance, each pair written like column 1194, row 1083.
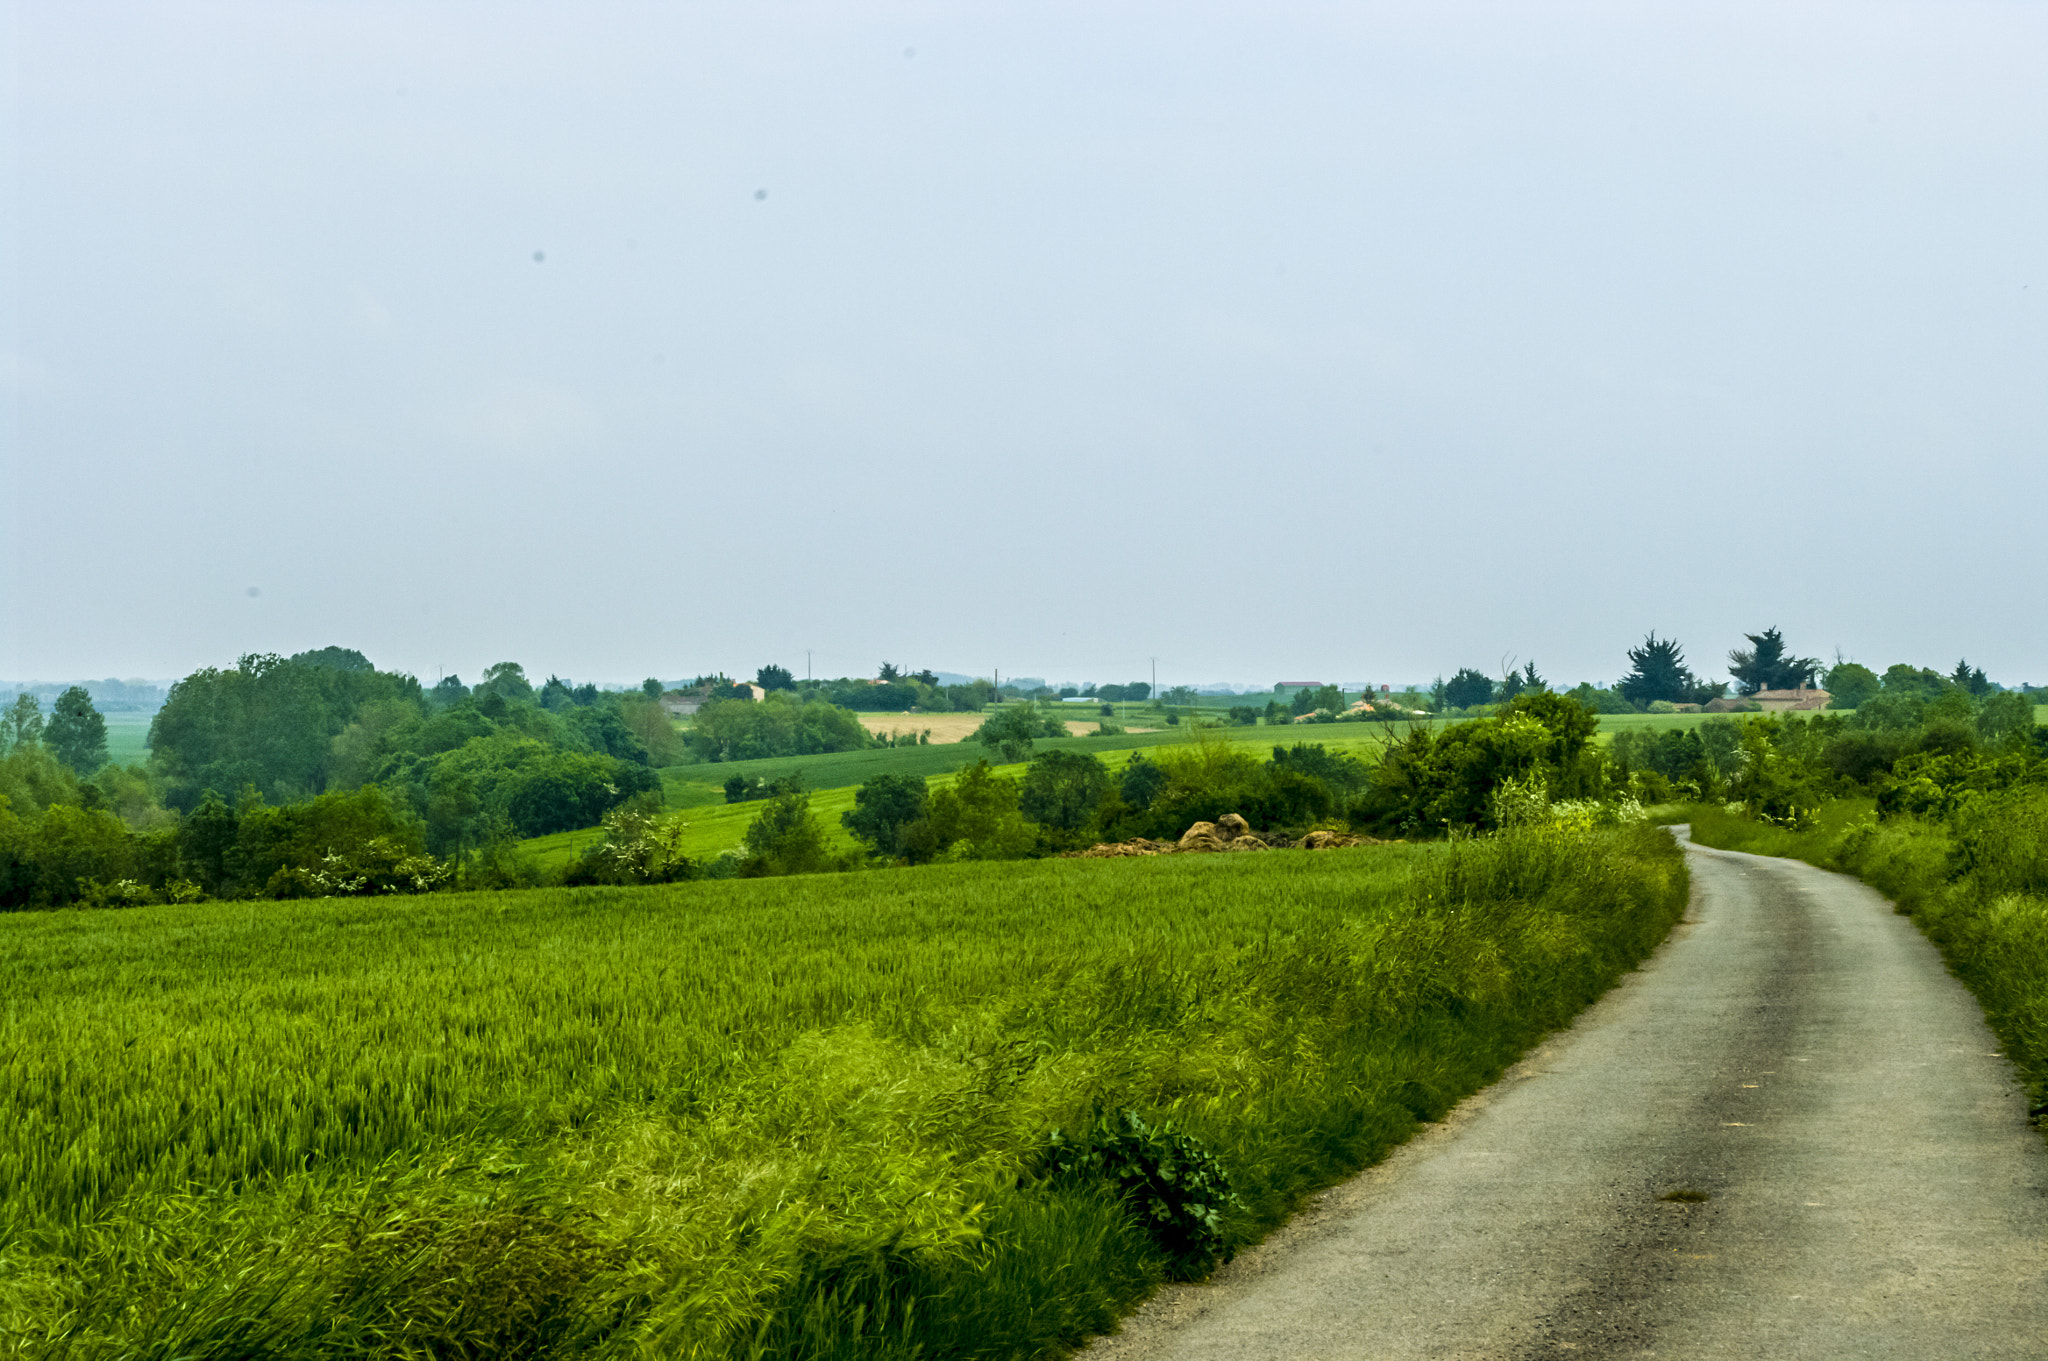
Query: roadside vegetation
column 963, row 1110
column 939, row 1089
column 1947, row 818
column 318, row 775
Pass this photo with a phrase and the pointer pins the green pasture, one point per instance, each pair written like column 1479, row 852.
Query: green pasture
column 793, row 1117
column 697, row 792
column 128, row 737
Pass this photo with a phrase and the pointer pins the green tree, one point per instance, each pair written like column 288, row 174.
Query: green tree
column 1516, row 682
column 974, row 818
column 73, row 848
column 1657, row 670
column 1850, row 685
column 651, row 688
column 1913, row 682
column 1141, row 781
column 785, row 838
column 206, row 840
column 1468, row 689
column 334, row 659
column 781, row 725
column 267, row 723
column 1062, row 789
column 653, row 728
column 1600, row 701
column 557, row 695
column 22, row 725
column 1765, row 665
column 1327, row 697
column 1011, row 730
column 2005, row 722
column 775, row 678
column 883, row 807
column 76, row 733
column 1970, row 678
column 1431, row 780
column 507, row 679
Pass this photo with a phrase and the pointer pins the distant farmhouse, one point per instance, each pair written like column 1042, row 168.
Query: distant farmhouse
column 685, row 703
column 1786, row 701
column 1282, row 687
column 681, row 703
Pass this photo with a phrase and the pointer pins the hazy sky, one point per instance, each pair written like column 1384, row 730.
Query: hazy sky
column 1302, row 341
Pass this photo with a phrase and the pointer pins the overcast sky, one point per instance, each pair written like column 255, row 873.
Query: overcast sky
column 1279, row 341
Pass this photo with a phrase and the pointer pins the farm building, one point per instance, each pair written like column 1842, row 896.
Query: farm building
column 1788, row 701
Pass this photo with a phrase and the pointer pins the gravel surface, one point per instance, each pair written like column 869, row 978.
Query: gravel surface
column 1788, row 1135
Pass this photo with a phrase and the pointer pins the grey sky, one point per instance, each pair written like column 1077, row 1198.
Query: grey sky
column 1316, row 340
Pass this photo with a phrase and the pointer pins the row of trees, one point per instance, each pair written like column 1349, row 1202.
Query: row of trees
column 74, row 733
column 1537, row 751
column 452, row 772
column 1658, row 674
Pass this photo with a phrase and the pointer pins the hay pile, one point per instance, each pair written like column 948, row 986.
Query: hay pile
column 1228, row 833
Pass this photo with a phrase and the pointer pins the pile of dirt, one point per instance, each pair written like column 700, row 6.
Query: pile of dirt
column 1228, row 833
column 1109, row 850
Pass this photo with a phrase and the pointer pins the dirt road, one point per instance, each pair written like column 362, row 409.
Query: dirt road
column 1855, row 1172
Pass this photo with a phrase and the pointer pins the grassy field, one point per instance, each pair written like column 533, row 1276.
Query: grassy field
column 698, row 791
column 787, row 1118
column 128, row 737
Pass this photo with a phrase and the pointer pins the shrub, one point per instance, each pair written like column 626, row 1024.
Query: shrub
column 883, row 808
column 786, row 839
column 1062, row 788
column 1175, row 1189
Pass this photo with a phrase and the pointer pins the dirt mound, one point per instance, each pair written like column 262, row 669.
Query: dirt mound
column 1228, row 833
column 1109, row 850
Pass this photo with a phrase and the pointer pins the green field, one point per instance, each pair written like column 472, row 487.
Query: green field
column 128, row 737
column 697, row 792
column 746, row 1119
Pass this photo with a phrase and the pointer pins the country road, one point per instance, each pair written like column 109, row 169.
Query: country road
column 1856, row 1171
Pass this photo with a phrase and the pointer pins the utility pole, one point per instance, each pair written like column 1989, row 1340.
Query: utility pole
column 807, row 666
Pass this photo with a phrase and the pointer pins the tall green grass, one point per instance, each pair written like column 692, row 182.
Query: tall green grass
column 785, row 1118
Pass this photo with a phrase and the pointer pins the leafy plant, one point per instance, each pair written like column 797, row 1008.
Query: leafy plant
column 1176, row 1190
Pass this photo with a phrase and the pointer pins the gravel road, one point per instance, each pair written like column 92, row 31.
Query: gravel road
column 1855, row 1173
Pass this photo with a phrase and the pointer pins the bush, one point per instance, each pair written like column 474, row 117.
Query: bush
column 1175, row 1190
column 1061, row 789
column 1430, row 781
column 1012, row 729
column 786, row 839
column 883, row 808
column 975, row 818
column 780, row 725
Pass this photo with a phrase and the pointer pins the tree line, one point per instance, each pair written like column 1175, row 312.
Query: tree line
column 1659, row 678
